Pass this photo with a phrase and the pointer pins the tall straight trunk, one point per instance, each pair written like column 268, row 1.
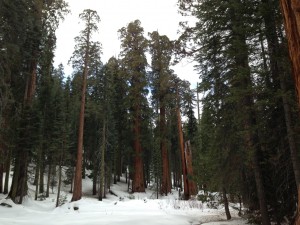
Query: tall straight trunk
column 291, row 15
column 49, row 179
column 59, row 177
column 252, row 141
column 166, row 179
column 189, row 168
column 77, row 192
column 138, row 184
column 102, row 164
column 36, row 180
column 7, row 172
column 42, row 171
column 198, row 104
column 95, row 175
column 1, row 177
column 226, row 205
column 72, row 181
column 242, row 82
column 181, row 146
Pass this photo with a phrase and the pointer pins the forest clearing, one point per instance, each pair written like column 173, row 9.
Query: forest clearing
column 120, row 135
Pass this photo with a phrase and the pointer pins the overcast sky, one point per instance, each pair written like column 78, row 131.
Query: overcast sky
column 155, row 15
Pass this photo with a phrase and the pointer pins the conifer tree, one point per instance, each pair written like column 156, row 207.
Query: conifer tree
column 161, row 51
column 81, row 61
column 134, row 61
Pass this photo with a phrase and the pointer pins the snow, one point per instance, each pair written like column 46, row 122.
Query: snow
column 125, row 209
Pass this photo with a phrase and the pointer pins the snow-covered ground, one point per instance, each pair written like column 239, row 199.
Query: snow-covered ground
column 127, row 209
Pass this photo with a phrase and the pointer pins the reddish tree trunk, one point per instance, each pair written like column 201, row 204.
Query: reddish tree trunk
column 189, row 167
column 77, row 191
column 181, row 146
column 291, row 14
column 166, row 180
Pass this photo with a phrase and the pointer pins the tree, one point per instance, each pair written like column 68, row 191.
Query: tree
column 161, row 51
column 81, row 61
column 134, row 45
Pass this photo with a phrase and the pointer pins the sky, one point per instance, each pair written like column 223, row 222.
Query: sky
column 155, row 15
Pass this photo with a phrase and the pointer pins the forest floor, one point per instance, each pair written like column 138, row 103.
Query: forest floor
column 125, row 209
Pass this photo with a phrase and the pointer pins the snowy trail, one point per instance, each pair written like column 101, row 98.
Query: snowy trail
column 126, row 209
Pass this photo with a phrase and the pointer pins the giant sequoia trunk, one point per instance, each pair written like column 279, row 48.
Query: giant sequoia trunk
column 291, row 14
column 189, row 168
column 166, row 179
column 278, row 74
column 77, row 191
column 19, row 183
column 181, row 148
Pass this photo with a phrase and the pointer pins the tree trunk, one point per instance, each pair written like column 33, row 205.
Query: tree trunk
column 95, row 175
column 77, row 193
column 181, row 146
column 1, row 176
column 7, row 172
column 36, row 180
column 72, row 180
column 242, row 82
column 138, row 173
column 189, row 167
column 166, row 180
column 291, row 15
column 226, row 205
column 59, row 178
column 41, row 174
column 49, row 179
column 102, row 165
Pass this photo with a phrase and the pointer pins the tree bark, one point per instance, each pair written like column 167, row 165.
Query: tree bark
column 1, row 177
column 59, row 178
column 166, row 180
column 242, row 82
column 291, row 15
column 189, row 167
column 7, row 172
column 138, row 184
column 181, row 146
column 36, row 180
column 77, row 192
column 49, row 179
column 226, row 205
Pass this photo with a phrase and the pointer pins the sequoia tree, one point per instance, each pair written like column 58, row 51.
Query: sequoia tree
column 134, row 61
column 81, row 61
